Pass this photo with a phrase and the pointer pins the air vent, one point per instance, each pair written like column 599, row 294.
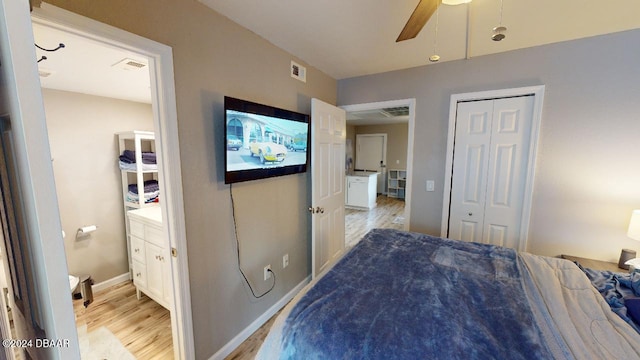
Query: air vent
column 129, row 64
column 397, row 111
column 298, row 71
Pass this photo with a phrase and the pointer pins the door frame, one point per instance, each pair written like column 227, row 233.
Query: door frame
column 383, row 168
column 164, row 110
column 411, row 103
column 538, row 95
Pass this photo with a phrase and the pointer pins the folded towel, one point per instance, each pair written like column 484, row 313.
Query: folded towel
column 129, row 157
column 149, row 187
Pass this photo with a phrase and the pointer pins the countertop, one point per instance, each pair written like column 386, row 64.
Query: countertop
column 362, row 173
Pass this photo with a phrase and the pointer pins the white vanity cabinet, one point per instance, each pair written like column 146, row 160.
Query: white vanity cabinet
column 361, row 190
column 150, row 255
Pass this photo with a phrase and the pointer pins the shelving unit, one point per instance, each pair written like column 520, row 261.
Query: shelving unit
column 397, row 182
column 146, row 247
column 137, row 141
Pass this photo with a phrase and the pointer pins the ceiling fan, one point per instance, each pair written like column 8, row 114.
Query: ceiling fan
column 421, row 15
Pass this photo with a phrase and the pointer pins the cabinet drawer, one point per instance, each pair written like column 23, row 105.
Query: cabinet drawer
column 136, row 228
column 139, row 274
column 358, row 179
column 154, row 236
column 137, row 249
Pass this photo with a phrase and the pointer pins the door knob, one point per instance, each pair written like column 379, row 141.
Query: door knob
column 312, row 210
column 320, row 210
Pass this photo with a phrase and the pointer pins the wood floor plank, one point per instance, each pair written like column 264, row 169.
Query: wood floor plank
column 142, row 326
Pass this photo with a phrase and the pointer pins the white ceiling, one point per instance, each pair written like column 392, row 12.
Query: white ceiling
column 348, row 38
column 357, row 37
column 86, row 66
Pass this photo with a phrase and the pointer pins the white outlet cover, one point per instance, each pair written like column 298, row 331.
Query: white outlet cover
column 267, row 273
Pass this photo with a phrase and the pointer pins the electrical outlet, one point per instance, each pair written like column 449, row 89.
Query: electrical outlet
column 285, row 260
column 267, row 272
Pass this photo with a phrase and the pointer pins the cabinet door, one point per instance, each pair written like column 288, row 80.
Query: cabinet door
column 357, row 192
column 139, row 274
column 155, row 283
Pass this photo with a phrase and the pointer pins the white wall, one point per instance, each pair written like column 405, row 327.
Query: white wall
column 587, row 176
column 85, row 152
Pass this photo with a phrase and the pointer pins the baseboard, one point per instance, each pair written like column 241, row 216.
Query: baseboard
column 249, row 330
column 111, row 282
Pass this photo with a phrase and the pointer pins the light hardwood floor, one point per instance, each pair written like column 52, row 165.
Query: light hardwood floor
column 142, row 326
column 388, row 213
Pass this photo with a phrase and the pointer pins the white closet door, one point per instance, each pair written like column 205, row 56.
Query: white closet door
column 509, row 152
column 489, row 170
column 471, row 160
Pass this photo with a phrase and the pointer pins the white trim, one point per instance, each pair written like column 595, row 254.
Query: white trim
column 111, row 282
column 410, row 143
column 160, row 58
column 22, row 101
column 538, row 93
column 257, row 323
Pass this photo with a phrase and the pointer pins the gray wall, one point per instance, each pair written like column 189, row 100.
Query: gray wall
column 587, row 172
column 214, row 57
column 85, row 152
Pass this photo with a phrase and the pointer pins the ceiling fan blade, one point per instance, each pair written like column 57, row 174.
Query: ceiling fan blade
column 418, row 19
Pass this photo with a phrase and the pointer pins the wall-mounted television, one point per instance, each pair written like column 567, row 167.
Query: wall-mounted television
column 263, row 141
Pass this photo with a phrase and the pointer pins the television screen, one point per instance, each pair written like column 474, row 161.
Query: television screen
column 263, row 141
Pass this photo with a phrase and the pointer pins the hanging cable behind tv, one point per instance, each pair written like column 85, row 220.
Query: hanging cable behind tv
column 235, row 232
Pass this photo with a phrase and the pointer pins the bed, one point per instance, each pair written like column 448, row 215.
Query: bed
column 402, row 295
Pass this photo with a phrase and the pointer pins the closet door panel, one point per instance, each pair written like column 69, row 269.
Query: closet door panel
column 470, row 166
column 508, row 154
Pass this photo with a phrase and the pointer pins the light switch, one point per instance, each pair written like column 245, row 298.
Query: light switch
column 431, row 185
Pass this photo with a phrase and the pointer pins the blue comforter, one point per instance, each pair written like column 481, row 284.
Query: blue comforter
column 620, row 290
column 400, row 295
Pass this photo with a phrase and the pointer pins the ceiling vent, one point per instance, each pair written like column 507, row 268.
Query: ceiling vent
column 129, row 64
column 397, row 111
column 298, row 71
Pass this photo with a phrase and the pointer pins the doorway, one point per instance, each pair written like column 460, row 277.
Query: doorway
column 163, row 111
column 395, row 210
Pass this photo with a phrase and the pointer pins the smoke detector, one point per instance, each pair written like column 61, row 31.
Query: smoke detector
column 129, row 64
column 298, row 71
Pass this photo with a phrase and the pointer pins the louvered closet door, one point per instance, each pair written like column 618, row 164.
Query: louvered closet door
column 490, row 162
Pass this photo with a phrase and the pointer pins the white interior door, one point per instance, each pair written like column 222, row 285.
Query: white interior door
column 491, row 154
column 31, row 223
column 328, row 134
column 371, row 155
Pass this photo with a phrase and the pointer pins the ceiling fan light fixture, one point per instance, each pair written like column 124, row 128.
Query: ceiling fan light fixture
column 498, row 33
column 455, row 2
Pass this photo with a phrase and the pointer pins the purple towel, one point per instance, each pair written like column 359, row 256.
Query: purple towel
column 129, row 157
column 149, row 187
